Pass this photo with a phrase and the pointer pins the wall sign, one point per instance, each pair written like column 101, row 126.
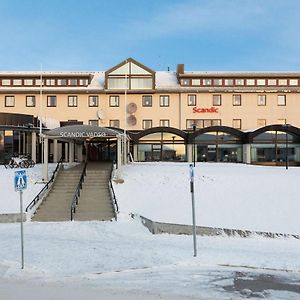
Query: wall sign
column 205, row 110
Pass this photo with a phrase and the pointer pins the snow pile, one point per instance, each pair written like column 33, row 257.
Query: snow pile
column 232, row 196
column 9, row 199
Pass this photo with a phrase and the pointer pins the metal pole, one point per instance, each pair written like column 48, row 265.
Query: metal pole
column 194, row 148
column 193, row 209
column 22, row 239
column 125, row 115
column 286, row 148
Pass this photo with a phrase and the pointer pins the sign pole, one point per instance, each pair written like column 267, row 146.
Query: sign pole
column 22, row 233
column 193, row 208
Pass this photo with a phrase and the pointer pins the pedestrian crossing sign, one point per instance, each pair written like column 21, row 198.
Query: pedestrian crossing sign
column 20, row 180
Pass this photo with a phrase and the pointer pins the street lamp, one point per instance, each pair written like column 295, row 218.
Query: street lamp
column 194, row 150
column 286, row 126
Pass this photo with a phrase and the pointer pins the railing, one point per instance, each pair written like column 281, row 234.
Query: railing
column 113, row 195
column 46, row 187
column 77, row 192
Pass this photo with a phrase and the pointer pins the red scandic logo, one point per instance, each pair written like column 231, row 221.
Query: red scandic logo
column 205, row 110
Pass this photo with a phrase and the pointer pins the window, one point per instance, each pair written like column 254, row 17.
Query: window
column 217, row 100
column 113, row 101
column 17, row 82
column 217, row 81
column 190, row 123
column 207, row 123
column 261, row 122
column 72, row 101
column 164, row 123
column 261, row 100
column 164, row 100
column 207, row 81
column 185, row 82
column 261, row 82
column 50, row 81
column 72, row 81
column 6, row 82
column 216, row 122
column 9, row 101
column 114, row 123
column 237, row 123
column 192, row 100
column 83, row 82
column 250, row 82
column 236, row 100
column 272, row 81
column 51, row 101
column 94, row 122
column 30, row 101
column 239, row 81
column 195, row 81
column 147, row 101
column 93, row 101
column 228, row 82
column 39, row 82
column 282, row 82
column 281, row 121
column 28, row 81
column 281, row 101
column 147, row 124
column 61, row 81
column 293, row 81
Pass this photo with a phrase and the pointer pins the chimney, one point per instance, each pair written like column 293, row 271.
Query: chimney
column 180, row 69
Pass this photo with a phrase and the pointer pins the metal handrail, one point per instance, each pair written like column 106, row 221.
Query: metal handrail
column 37, row 198
column 77, row 192
column 112, row 191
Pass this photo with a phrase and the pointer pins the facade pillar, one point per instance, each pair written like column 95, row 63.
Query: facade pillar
column 71, row 152
column 79, row 152
column 189, row 152
column 119, row 151
column 45, row 165
column 135, row 152
column 247, row 153
column 66, row 152
column 33, row 146
column 55, row 153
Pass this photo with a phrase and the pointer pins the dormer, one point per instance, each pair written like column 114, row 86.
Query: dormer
column 130, row 75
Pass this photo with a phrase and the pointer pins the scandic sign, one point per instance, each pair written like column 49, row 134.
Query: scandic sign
column 205, row 110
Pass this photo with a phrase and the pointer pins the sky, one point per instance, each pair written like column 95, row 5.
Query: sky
column 95, row 35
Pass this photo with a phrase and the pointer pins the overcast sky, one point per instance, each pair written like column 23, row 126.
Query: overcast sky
column 205, row 35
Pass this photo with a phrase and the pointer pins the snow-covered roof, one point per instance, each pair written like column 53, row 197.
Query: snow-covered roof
column 166, row 80
column 242, row 73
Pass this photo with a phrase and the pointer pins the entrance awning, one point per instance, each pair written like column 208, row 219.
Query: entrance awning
column 81, row 132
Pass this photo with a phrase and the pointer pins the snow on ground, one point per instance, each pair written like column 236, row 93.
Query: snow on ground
column 9, row 199
column 235, row 196
column 123, row 258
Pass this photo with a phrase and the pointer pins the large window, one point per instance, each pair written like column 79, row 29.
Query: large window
column 93, row 101
column 72, row 101
column 236, row 100
column 113, row 101
column 30, row 101
column 147, row 101
column 192, row 100
column 164, row 100
column 51, row 101
column 281, row 100
column 9, row 101
column 217, row 101
column 202, row 123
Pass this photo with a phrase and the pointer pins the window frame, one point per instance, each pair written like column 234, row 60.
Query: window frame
column 97, row 100
column 50, row 97
column 162, row 100
column 34, row 102
column 144, row 104
column 234, row 100
column 144, row 122
column 264, row 102
column 220, row 100
column 76, row 101
column 162, row 121
column 190, row 103
column 94, row 120
column 115, row 120
column 116, row 97
column 11, row 97
column 240, row 122
column 284, row 97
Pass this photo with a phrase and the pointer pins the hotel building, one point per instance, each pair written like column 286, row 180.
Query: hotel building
column 250, row 117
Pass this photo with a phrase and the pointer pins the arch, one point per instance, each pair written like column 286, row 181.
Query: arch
column 233, row 131
column 275, row 127
column 137, row 136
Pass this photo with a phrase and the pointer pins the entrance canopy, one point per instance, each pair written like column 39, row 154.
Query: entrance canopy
column 81, row 132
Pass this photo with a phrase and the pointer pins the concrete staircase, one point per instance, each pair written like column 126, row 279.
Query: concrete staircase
column 95, row 201
column 57, row 205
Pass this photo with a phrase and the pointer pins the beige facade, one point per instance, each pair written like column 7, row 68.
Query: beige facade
column 262, row 99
